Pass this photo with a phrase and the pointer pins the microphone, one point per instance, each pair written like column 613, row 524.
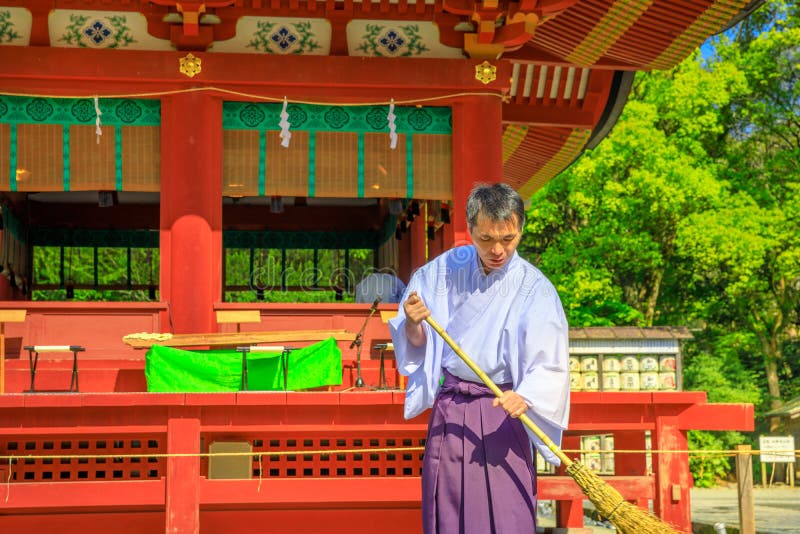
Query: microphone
column 374, row 305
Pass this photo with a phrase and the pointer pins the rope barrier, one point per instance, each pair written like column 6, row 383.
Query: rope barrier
column 241, row 94
column 12, row 459
column 331, row 452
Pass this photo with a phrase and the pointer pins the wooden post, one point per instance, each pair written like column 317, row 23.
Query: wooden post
column 190, row 277
column 7, row 316
column 673, row 479
column 744, row 482
column 183, row 472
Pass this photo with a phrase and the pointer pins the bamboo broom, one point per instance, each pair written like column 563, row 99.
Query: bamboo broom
column 627, row 517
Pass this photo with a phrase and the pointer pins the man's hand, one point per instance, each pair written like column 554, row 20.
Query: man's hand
column 415, row 309
column 416, row 312
column 512, row 403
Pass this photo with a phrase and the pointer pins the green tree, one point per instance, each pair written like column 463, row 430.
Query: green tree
column 605, row 229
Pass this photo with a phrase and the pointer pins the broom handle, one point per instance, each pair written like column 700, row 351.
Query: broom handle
column 497, row 391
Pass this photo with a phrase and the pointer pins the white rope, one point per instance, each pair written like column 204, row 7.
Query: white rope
column 392, row 126
column 97, row 129
column 285, row 134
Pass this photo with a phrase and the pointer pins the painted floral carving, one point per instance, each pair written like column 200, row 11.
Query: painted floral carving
column 390, row 41
column 7, row 31
column 98, row 32
column 291, row 38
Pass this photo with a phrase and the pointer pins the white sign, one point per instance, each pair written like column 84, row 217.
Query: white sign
column 776, row 449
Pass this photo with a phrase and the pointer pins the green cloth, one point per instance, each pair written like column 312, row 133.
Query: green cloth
column 169, row 369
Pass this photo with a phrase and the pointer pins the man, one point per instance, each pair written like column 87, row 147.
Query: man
column 382, row 284
column 479, row 473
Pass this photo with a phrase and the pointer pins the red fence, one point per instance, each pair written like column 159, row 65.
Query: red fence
column 343, row 461
column 317, row 459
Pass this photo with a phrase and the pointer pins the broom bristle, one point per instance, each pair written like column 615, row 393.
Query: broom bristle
column 627, row 517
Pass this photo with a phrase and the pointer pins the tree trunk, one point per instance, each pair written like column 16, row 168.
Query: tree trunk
column 773, row 385
column 652, row 299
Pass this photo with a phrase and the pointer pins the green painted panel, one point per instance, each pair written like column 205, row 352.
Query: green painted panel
column 306, row 117
column 115, row 111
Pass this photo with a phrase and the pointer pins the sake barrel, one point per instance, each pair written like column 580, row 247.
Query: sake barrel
column 667, row 381
column 666, row 363
column 630, row 364
column 593, row 461
column 590, row 443
column 612, row 363
column 575, row 381
column 648, row 363
column 590, row 381
column 589, row 363
column 611, row 381
column 649, row 380
column 629, row 381
column 607, row 446
column 574, row 364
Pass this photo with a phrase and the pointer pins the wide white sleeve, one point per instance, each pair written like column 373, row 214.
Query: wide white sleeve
column 421, row 364
column 409, row 357
column 544, row 366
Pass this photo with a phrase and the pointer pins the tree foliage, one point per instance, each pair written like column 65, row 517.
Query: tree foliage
column 688, row 213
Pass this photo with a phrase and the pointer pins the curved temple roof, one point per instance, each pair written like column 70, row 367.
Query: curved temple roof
column 572, row 61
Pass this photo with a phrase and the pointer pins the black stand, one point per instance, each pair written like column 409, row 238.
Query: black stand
column 33, row 357
column 357, row 343
column 284, row 364
column 382, row 374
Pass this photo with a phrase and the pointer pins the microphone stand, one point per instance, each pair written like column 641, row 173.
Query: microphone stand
column 357, row 343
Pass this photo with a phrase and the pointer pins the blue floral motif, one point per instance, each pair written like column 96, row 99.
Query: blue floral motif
column 97, row 32
column 392, row 41
column 284, row 38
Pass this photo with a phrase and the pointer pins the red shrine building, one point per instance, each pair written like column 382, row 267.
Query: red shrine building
column 191, row 160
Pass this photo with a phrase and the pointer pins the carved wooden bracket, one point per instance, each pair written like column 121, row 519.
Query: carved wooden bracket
column 191, row 11
column 502, row 25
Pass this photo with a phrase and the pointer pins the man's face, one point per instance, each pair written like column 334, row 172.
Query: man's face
column 495, row 241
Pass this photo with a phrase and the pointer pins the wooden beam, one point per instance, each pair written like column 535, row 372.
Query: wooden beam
column 78, row 72
column 718, row 416
column 145, row 341
column 548, row 116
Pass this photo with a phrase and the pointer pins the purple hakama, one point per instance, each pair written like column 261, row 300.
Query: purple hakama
column 478, row 474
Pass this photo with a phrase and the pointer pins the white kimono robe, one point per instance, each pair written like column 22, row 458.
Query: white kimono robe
column 510, row 322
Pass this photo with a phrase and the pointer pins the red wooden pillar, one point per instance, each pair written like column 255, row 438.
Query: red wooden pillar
column 569, row 514
column 183, row 472
column 191, row 210
column 418, row 235
column 631, row 464
column 673, row 479
column 404, row 264
column 477, row 154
